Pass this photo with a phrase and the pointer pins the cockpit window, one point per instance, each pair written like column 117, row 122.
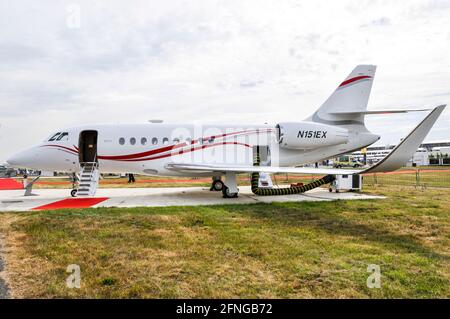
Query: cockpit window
column 60, row 136
column 63, row 137
column 54, row 136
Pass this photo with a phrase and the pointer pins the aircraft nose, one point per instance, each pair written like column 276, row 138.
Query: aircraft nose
column 21, row 160
column 15, row 160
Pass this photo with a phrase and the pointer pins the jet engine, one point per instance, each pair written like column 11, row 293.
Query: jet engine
column 309, row 135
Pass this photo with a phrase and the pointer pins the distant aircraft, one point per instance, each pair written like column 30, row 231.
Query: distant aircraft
column 156, row 148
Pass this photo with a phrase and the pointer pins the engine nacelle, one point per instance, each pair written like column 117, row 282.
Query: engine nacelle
column 309, row 135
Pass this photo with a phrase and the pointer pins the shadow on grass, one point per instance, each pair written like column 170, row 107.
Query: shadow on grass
column 329, row 218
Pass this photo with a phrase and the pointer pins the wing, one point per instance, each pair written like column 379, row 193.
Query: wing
column 396, row 159
column 204, row 168
column 408, row 146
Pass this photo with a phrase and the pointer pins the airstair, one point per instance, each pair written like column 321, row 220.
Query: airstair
column 89, row 178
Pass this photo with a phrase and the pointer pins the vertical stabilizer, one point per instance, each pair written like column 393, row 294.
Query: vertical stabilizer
column 352, row 95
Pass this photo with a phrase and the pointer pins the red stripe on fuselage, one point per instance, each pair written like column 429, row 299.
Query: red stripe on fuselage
column 144, row 155
column 64, row 147
column 172, row 147
column 193, row 149
column 355, row 79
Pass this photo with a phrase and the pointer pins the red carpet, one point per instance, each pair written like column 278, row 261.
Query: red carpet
column 72, row 203
column 9, row 183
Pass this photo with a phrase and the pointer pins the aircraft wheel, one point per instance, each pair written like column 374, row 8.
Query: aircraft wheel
column 226, row 193
column 217, row 185
column 73, row 192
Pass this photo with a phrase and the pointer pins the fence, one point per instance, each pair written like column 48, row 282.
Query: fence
column 421, row 177
column 418, row 177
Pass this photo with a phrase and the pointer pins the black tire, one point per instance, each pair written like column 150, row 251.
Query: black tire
column 217, row 185
column 73, row 193
column 356, row 165
column 330, row 189
column 226, row 193
column 338, row 166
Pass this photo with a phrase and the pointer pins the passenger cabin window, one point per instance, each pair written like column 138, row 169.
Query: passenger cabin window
column 132, row 141
column 165, row 141
column 176, row 140
column 121, row 141
column 154, row 141
column 188, row 140
column 143, row 141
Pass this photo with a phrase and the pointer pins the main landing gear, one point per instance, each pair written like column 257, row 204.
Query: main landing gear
column 227, row 194
column 217, row 185
column 230, row 189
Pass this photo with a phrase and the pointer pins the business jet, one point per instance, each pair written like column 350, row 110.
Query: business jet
column 222, row 151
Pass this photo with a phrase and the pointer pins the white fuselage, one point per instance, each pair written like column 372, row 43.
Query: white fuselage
column 148, row 148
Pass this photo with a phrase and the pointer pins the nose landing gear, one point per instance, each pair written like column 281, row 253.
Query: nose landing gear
column 74, row 179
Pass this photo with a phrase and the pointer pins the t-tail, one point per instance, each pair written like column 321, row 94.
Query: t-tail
column 347, row 105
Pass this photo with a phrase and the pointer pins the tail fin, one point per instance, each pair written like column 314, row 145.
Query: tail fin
column 349, row 101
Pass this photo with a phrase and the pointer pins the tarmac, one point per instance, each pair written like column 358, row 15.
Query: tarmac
column 13, row 200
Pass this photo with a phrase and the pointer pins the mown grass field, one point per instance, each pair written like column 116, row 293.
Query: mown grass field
column 282, row 250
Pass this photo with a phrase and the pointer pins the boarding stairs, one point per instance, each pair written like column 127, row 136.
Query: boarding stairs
column 89, row 178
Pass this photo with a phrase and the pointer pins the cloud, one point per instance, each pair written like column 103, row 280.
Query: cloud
column 230, row 61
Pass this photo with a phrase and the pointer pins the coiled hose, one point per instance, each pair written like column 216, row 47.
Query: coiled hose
column 285, row 190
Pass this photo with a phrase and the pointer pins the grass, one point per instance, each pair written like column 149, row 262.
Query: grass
column 280, row 250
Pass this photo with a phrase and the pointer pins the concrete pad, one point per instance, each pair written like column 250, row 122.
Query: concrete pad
column 13, row 200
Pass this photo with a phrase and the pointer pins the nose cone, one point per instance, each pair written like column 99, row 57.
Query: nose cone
column 24, row 159
column 13, row 160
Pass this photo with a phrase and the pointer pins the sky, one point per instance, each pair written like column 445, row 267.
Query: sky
column 64, row 63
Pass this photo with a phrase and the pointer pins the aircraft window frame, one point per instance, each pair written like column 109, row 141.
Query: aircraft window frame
column 143, row 141
column 188, row 140
column 132, row 140
column 122, row 141
column 62, row 135
column 154, row 141
column 53, row 137
column 176, row 140
column 165, row 141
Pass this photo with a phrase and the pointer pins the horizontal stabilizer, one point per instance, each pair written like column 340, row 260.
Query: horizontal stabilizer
column 372, row 112
column 408, row 146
